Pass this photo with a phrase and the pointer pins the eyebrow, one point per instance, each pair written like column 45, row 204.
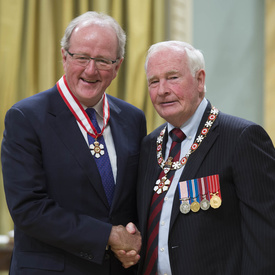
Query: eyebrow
column 171, row 72
column 166, row 74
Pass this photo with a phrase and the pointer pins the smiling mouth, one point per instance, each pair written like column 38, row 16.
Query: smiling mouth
column 89, row 81
column 167, row 102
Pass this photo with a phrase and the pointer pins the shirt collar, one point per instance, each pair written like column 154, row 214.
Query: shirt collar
column 98, row 107
column 190, row 127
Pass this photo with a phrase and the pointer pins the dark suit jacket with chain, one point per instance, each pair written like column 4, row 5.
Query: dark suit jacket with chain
column 54, row 190
column 239, row 236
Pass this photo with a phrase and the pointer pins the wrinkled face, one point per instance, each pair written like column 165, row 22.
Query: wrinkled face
column 88, row 83
column 174, row 92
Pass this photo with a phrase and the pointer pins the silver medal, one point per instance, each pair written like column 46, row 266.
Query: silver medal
column 205, row 204
column 185, row 207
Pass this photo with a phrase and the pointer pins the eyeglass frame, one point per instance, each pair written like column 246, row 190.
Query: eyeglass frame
column 96, row 59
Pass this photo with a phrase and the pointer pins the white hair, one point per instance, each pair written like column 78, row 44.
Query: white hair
column 195, row 57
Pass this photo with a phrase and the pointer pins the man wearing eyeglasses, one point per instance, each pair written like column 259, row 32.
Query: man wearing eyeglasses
column 70, row 157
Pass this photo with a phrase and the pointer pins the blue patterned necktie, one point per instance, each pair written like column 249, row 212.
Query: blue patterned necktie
column 102, row 162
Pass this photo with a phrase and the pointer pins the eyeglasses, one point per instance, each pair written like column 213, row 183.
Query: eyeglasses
column 83, row 60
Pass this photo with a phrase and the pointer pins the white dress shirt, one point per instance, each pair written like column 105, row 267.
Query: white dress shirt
column 190, row 129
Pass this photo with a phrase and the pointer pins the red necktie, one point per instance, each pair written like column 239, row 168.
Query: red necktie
column 150, row 266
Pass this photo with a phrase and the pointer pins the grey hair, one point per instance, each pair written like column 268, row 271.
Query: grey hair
column 195, row 57
column 96, row 18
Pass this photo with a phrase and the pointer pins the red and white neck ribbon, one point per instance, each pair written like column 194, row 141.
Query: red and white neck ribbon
column 79, row 112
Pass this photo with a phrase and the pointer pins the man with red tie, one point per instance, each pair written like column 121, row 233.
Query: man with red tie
column 206, row 183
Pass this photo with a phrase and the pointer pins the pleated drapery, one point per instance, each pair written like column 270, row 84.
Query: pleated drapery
column 30, row 34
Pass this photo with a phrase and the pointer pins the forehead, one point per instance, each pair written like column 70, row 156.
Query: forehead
column 85, row 30
column 166, row 60
column 94, row 34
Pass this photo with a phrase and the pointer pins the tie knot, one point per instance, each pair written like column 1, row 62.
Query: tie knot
column 90, row 112
column 177, row 135
column 92, row 115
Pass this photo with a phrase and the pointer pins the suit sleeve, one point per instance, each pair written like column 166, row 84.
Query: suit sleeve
column 33, row 211
column 254, row 178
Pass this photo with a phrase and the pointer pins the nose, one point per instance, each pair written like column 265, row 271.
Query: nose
column 163, row 88
column 91, row 67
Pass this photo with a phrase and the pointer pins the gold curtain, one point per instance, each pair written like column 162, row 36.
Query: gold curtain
column 30, row 34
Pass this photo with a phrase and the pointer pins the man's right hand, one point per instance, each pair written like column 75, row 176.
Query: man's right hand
column 125, row 242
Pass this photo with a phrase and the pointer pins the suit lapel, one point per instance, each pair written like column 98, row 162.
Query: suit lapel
column 120, row 138
column 195, row 160
column 64, row 124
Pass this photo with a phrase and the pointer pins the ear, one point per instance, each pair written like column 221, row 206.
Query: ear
column 64, row 57
column 200, row 77
column 118, row 64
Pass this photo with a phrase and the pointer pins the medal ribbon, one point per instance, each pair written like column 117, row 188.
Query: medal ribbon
column 203, row 188
column 79, row 112
column 183, row 191
column 214, row 185
column 195, row 190
column 189, row 185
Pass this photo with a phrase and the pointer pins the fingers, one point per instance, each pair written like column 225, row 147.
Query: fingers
column 121, row 239
column 131, row 228
column 127, row 259
column 125, row 242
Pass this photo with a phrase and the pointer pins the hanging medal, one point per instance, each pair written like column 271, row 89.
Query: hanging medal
column 184, row 197
column 204, row 202
column 214, row 189
column 81, row 116
column 97, row 149
column 194, row 195
column 164, row 183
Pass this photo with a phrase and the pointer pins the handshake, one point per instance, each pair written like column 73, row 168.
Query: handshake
column 125, row 242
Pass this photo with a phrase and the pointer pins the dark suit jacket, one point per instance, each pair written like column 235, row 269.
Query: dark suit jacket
column 54, row 190
column 239, row 236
